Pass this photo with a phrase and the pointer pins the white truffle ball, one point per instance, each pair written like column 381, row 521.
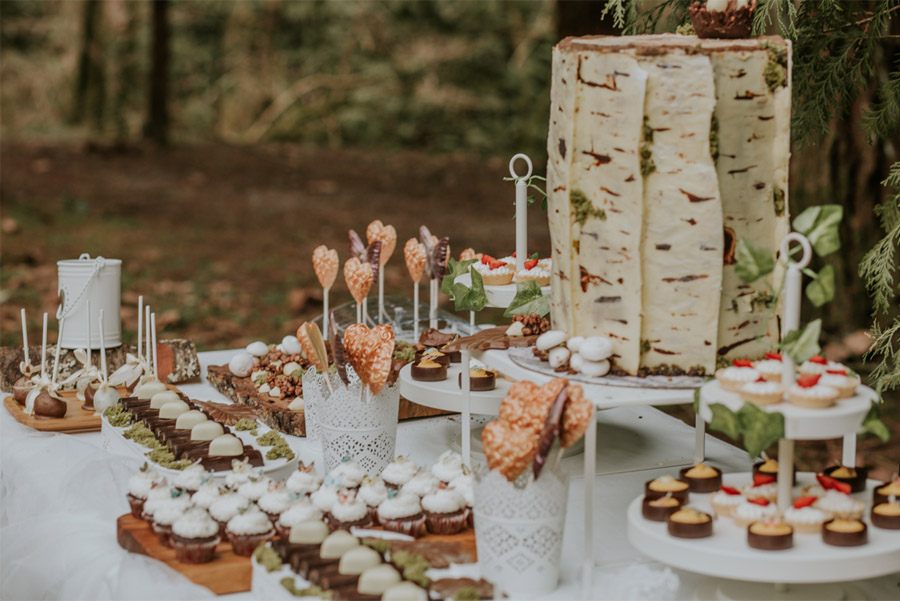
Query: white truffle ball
column 558, row 357
column 241, row 364
column 291, row 345
column 594, row 369
column 574, row 343
column 596, row 348
column 550, row 339
column 257, row 349
column 576, row 361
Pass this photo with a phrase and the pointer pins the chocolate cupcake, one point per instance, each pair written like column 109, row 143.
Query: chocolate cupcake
column 770, row 535
column 194, row 537
column 428, row 371
column 349, row 512
column 845, row 532
column 887, row 515
column 480, row 379
column 445, row 511
column 882, row 492
column 854, row 476
column 247, row 529
column 702, row 478
column 402, row 512
column 689, row 523
column 660, row 508
column 660, row 487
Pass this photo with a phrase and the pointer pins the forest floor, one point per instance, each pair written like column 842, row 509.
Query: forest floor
column 218, row 238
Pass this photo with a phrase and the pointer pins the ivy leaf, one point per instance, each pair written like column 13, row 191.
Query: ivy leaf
column 751, row 262
column 820, row 225
column 872, row 424
column 454, row 270
column 470, row 299
column 821, row 289
column 803, row 344
column 761, row 429
column 528, row 299
column 724, row 420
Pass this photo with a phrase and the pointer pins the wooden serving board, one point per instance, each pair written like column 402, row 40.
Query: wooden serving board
column 77, row 420
column 227, row 573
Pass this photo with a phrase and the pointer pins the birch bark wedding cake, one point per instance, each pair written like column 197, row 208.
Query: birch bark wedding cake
column 664, row 152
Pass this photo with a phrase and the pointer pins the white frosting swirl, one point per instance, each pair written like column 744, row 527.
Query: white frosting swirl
column 739, row 374
column 723, row 498
column 805, row 515
column 167, row 512
column 372, row 492
column 139, row 484
column 206, row 495
column 303, row 483
column 196, row 523
column 465, row 485
column 443, row 500
column 766, row 387
column 449, row 465
column 818, row 391
column 192, row 477
column 349, row 510
column 275, row 501
column 303, row 511
column 421, row 484
column 254, row 488
column 400, row 471
column 403, row 505
column 325, row 497
column 348, row 474
column 836, row 502
column 752, row 512
column 768, row 366
column 227, row 506
column 252, row 521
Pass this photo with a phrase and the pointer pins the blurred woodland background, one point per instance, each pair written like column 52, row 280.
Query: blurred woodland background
column 212, row 144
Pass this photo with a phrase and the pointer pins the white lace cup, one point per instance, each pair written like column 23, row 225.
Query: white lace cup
column 519, row 531
column 354, row 423
column 315, row 391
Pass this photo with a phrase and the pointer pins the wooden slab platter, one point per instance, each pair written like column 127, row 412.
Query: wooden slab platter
column 230, row 573
column 76, row 420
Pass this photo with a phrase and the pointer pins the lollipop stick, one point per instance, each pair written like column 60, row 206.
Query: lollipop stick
column 416, row 311
column 365, row 309
column 59, row 335
column 25, row 338
column 88, row 322
column 103, row 350
column 44, row 349
column 140, row 325
column 432, row 303
column 155, row 364
column 381, row 295
column 358, row 313
column 147, row 355
column 325, row 292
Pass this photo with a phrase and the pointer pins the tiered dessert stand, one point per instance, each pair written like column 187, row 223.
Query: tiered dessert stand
column 726, row 554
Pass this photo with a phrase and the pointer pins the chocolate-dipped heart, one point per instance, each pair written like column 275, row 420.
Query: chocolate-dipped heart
column 337, row 350
column 551, row 430
column 577, row 416
column 386, row 234
column 325, row 263
column 358, row 276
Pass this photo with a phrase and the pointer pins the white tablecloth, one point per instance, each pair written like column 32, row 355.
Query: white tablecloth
column 60, row 496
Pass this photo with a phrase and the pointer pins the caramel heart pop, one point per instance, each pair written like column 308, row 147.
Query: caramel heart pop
column 370, row 352
column 358, row 276
column 437, row 255
column 325, row 263
column 387, row 235
column 414, row 255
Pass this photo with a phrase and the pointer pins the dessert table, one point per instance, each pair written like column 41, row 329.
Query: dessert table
column 60, row 496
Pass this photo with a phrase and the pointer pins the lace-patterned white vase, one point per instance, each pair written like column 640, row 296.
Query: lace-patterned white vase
column 352, row 422
column 519, row 531
column 315, row 392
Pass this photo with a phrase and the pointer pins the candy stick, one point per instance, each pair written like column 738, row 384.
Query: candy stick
column 325, row 324
column 416, row 310
column 358, row 313
column 44, row 349
column 381, row 312
column 140, row 325
column 155, row 364
column 432, row 303
column 365, row 309
column 59, row 335
column 147, row 355
column 25, row 337
column 103, row 349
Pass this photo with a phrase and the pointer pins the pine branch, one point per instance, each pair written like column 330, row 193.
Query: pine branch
column 781, row 13
column 884, row 113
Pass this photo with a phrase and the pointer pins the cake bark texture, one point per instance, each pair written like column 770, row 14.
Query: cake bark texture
column 664, row 152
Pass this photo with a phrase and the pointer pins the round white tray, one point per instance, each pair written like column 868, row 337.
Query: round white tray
column 447, row 395
column 498, row 297
column 800, row 423
column 726, row 554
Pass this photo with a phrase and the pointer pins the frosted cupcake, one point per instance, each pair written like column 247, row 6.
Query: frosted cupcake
column 254, row 488
column 421, row 484
column 304, row 481
column 770, row 368
column 348, row 473
column 753, row 511
column 325, row 497
column 139, row 486
column 191, row 478
column 448, row 466
column 372, row 492
column 464, row 484
column 195, row 536
column 733, row 378
column 247, row 529
column 164, row 516
column 207, row 494
column 402, row 512
column 726, row 500
column 348, row 512
column 226, row 507
column 240, row 473
column 276, row 501
column 300, row 512
column 808, row 392
column 445, row 511
column 762, row 392
column 160, row 495
column 398, row 472
column 840, row 505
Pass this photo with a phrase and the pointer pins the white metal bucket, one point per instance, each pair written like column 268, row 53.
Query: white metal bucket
column 98, row 280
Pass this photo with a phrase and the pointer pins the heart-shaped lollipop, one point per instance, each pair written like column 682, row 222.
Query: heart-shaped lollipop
column 414, row 255
column 369, row 351
column 386, row 234
column 325, row 263
column 359, row 277
column 508, row 449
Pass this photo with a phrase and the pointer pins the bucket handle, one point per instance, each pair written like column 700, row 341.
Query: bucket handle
column 65, row 307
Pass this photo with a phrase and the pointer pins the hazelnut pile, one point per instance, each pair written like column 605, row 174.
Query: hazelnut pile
column 273, row 363
column 534, row 324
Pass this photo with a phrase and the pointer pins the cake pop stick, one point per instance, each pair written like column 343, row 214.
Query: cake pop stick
column 87, row 303
column 24, row 338
column 59, row 335
column 325, row 263
column 155, row 364
column 140, row 326
column 103, row 370
column 44, row 349
column 387, row 235
column 414, row 256
column 147, row 355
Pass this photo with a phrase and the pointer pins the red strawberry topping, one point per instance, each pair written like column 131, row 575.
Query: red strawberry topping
column 829, row 483
column 776, row 356
column 818, row 359
column 486, row 259
column 730, row 490
column 802, row 502
column 742, row 363
column 808, row 380
column 496, row 264
column 761, row 479
column 759, row 501
column 531, row 263
column 838, row 371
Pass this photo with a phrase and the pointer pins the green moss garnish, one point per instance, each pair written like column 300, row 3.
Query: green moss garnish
column 270, row 438
column 380, row 545
column 466, row 594
column 583, row 208
column 414, row 567
column 266, row 556
column 290, row 586
column 143, row 436
column 246, row 425
column 778, row 200
column 686, row 28
column 280, row 450
column 118, row 416
column 165, row 458
column 775, row 72
column 403, row 351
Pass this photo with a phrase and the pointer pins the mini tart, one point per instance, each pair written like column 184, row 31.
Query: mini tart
column 702, row 478
column 887, row 515
column 455, row 356
column 769, row 467
column 733, row 378
column 856, row 477
column 725, row 501
column 769, row 369
column 814, row 397
column 432, row 354
column 428, row 371
column 883, row 491
column 689, row 523
column 480, row 379
column 660, row 487
column 497, row 276
column 762, row 392
column 660, row 508
column 845, row 384
column 806, row 520
column 770, row 535
column 843, row 532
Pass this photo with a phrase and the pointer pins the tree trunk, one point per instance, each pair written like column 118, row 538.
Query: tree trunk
column 156, row 126
column 126, row 66
column 583, row 17
column 88, row 80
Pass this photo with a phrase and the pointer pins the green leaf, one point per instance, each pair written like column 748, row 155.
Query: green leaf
column 751, row 262
column 454, row 270
column 803, row 344
column 872, row 424
column 761, row 429
column 724, row 420
column 528, row 299
column 470, row 299
column 820, row 225
column 821, row 289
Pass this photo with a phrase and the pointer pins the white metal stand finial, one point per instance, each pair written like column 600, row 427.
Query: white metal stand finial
column 416, row 310
column 521, row 208
column 466, row 384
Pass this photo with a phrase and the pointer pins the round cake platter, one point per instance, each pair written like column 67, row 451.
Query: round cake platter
column 726, row 554
column 498, row 297
column 447, row 395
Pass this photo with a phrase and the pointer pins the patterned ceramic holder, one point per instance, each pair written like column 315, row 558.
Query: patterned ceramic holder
column 352, row 422
column 519, row 530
